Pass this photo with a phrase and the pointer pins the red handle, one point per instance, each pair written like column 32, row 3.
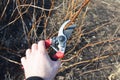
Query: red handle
column 48, row 42
column 58, row 55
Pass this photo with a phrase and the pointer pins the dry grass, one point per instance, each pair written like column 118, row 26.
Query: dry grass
column 92, row 51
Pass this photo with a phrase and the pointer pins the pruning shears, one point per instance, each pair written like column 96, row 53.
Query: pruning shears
column 58, row 43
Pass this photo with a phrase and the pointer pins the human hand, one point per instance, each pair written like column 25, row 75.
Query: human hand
column 38, row 63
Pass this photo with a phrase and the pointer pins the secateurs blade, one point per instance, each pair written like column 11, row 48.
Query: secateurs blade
column 58, row 43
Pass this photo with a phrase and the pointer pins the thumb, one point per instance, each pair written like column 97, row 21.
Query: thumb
column 57, row 63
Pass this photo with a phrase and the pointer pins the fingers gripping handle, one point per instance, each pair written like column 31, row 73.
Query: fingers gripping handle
column 47, row 45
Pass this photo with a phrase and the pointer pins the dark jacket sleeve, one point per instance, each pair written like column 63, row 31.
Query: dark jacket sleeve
column 34, row 78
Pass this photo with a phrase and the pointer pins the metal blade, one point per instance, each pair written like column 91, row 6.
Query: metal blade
column 69, row 31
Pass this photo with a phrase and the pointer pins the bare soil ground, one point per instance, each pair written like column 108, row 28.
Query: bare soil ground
column 92, row 51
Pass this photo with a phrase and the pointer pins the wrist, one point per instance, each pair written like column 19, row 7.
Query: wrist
column 34, row 78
